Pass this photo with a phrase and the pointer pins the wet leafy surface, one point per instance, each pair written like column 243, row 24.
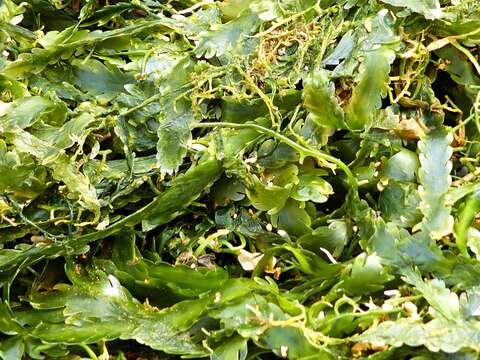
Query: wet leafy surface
column 239, row 179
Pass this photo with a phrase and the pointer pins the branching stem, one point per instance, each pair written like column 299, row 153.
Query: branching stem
column 304, row 151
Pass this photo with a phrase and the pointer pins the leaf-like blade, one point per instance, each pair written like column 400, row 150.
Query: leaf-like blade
column 372, row 87
column 367, row 275
column 12, row 348
column 320, row 100
column 27, row 111
column 175, row 118
column 167, row 206
column 173, row 136
column 184, row 189
column 180, row 279
column 64, row 43
column 103, row 309
column 434, row 176
column 428, row 8
column 97, row 79
column 436, row 335
column 63, row 169
column 232, row 349
column 227, row 39
column 442, row 300
column 267, row 198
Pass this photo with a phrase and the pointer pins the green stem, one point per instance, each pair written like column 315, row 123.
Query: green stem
column 468, row 54
column 359, row 314
column 142, row 104
column 89, row 351
column 464, row 221
column 18, row 210
column 352, row 181
column 160, row 210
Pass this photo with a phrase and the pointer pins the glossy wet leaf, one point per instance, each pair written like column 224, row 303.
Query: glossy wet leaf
column 12, row 348
column 402, row 166
column 173, row 136
column 235, row 349
column 311, row 187
column 367, row 275
column 95, row 311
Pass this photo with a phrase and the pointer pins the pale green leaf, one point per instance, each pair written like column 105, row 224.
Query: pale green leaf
column 371, row 88
column 227, row 39
column 173, row 136
column 428, row 8
column 434, row 176
column 320, row 100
